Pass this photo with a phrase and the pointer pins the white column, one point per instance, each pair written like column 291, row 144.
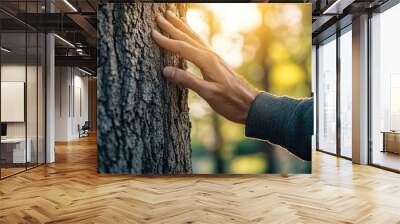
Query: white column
column 360, row 90
column 50, row 92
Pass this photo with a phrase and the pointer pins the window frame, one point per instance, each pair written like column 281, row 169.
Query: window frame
column 333, row 37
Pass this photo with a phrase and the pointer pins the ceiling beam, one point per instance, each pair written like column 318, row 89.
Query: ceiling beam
column 46, row 22
column 320, row 22
column 89, row 30
column 337, row 7
column 81, row 61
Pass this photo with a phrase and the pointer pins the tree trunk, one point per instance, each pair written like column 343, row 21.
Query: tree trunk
column 143, row 120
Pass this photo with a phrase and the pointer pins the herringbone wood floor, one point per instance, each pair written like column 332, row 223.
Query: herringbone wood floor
column 70, row 191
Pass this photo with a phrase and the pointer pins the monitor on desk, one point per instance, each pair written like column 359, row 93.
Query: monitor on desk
column 3, row 130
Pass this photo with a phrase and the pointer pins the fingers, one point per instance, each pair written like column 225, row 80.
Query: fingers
column 178, row 23
column 175, row 33
column 198, row 56
column 186, row 79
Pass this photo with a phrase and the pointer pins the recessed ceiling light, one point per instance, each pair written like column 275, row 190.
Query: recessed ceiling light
column 337, row 7
column 5, row 50
column 84, row 71
column 70, row 5
column 65, row 41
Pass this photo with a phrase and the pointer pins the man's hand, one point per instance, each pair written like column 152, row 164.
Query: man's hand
column 226, row 93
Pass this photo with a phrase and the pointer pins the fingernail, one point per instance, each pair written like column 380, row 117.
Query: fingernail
column 170, row 13
column 171, row 7
column 159, row 16
column 169, row 72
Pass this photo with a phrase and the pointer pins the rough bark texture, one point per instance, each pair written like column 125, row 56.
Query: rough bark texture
column 143, row 120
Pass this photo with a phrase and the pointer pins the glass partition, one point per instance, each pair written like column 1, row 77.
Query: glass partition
column 14, row 153
column 41, row 96
column 22, row 78
column 327, row 95
column 41, row 89
column 31, row 99
column 346, row 93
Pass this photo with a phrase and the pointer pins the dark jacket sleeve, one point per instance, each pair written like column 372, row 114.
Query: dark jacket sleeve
column 284, row 121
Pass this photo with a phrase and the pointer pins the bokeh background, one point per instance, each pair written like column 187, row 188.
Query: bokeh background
column 269, row 45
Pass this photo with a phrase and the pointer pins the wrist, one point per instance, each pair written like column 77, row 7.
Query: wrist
column 250, row 96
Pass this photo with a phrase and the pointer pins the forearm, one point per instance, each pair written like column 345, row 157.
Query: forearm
column 284, row 121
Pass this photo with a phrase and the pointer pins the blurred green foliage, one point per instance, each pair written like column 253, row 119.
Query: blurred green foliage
column 269, row 45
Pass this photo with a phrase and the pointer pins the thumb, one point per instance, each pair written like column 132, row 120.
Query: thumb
column 185, row 79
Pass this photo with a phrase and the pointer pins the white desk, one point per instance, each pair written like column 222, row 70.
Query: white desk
column 18, row 148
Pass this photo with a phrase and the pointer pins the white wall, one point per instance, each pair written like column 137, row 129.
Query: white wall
column 79, row 117
column 70, row 83
column 62, row 81
column 13, row 72
column 16, row 72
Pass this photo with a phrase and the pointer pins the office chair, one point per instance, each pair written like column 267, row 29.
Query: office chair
column 84, row 130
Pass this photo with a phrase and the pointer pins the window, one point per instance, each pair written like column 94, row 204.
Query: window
column 327, row 96
column 346, row 93
column 385, row 88
column 313, row 88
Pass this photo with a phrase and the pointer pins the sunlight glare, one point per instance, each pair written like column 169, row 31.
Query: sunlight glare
column 292, row 15
column 234, row 17
column 197, row 21
column 287, row 75
column 229, row 47
column 199, row 108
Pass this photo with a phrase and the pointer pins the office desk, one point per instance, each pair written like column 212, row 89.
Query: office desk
column 391, row 141
column 13, row 150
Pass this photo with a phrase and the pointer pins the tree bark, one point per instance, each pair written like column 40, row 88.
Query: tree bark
column 143, row 120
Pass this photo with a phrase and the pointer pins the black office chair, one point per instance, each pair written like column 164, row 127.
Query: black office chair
column 84, row 130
